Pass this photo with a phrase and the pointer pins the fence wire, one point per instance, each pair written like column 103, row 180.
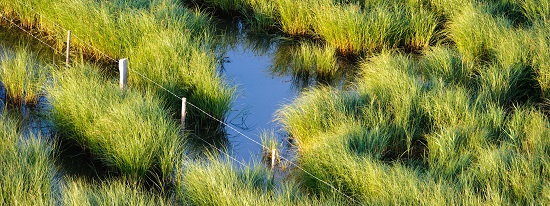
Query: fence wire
column 189, row 103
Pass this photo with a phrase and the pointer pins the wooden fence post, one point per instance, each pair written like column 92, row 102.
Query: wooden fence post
column 123, row 68
column 183, row 112
column 67, row 58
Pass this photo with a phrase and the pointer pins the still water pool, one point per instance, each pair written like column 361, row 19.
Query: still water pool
column 259, row 94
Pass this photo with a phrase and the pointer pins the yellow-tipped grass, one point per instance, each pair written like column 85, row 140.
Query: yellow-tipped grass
column 408, row 127
column 130, row 131
column 113, row 192
column 23, row 77
column 26, row 167
column 219, row 182
column 163, row 40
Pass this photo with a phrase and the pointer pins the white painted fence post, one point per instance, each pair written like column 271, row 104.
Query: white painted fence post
column 273, row 161
column 183, row 112
column 273, row 156
column 123, row 68
column 67, row 58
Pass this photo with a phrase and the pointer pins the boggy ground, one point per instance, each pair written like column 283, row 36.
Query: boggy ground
column 449, row 106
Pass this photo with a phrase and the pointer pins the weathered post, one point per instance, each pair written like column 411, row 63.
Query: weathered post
column 183, row 103
column 123, row 68
column 67, row 58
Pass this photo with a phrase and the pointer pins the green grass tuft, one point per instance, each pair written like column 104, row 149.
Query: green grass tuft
column 23, row 77
column 26, row 167
column 218, row 182
column 127, row 130
column 115, row 192
column 408, row 133
column 163, row 40
column 307, row 62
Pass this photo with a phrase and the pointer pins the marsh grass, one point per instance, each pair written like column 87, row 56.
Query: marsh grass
column 446, row 63
column 219, row 182
column 259, row 15
column 537, row 11
column 272, row 145
column 26, row 166
column 448, row 8
column 385, row 86
column 458, row 123
column 321, row 60
column 308, row 64
column 368, row 181
column 506, row 59
column 163, row 40
column 129, row 131
column 297, row 17
column 459, row 127
column 22, row 76
column 509, row 85
column 229, row 5
column 409, row 127
column 474, row 33
column 541, row 60
column 114, row 192
column 263, row 16
column 345, row 28
column 389, row 81
column 352, row 28
column 182, row 78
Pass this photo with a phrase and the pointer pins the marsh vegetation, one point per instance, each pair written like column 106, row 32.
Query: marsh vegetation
column 445, row 103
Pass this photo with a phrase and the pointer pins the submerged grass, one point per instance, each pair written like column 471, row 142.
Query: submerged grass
column 129, row 131
column 22, row 76
column 26, row 167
